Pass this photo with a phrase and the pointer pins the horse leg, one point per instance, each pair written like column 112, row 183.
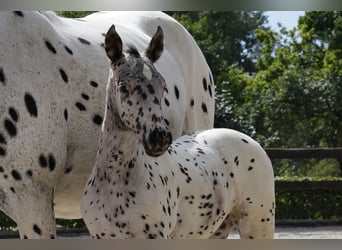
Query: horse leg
column 225, row 229
column 257, row 222
column 32, row 210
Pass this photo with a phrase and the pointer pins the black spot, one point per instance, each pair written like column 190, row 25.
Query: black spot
column 10, row 127
column 204, row 107
column 12, row 189
column 52, row 162
column 192, row 102
column 80, row 106
column 166, row 102
column 50, row 47
column 252, row 160
column 2, row 76
column 43, row 161
column 67, row 170
column 176, row 92
column 68, row 50
column 84, row 41
column 2, row 151
column 66, row 114
column 37, row 229
column 97, row 119
column 150, row 89
column 85, row 96
column 29, row 173
column 19, row 13
column 16, row 175
column 2, row 139
column 156, row 101
column 31, row 105
column 1, row 169
column 94, row 84
column 14, row 114
column 250, row 168
column 64, row 75
column 244, row 140
column 205, row 85
column 210, row 92
column 144, row 95
column 232, row 175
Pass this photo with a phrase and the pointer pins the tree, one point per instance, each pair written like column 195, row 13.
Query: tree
column 295, row 100
column 229, row 43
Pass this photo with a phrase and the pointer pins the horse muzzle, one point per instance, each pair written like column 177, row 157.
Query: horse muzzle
column 157, row 142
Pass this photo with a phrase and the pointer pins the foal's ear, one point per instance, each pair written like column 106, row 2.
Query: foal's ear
column 113, row 44
column 156, row 46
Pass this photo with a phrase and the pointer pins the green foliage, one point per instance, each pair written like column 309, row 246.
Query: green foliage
column 74, row 14
column 308, row 204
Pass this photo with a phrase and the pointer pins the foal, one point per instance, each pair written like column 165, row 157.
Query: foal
column 142, row 186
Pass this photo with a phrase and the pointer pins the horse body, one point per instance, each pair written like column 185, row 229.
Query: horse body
column 207, row 183
column 142, row 186
column 53, row 74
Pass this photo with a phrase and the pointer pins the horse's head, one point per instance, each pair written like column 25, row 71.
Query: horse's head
column 136, row 89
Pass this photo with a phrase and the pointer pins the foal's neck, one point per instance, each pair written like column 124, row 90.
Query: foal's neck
column 118, row 146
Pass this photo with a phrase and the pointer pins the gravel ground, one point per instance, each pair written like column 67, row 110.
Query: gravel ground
column 319, row 232
column 326, row 232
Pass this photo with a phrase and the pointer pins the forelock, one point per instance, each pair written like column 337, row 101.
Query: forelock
column 132, row 50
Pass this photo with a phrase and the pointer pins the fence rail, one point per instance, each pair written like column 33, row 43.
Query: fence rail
column 308, row 185
column 304, row 153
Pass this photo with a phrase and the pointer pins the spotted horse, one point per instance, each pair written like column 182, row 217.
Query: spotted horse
column 142, row 186
column 53, row 77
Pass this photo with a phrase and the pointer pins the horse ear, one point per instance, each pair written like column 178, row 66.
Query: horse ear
column 156, row 46
column 113, row 44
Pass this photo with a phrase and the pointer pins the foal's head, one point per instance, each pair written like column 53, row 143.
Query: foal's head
column 136, row 89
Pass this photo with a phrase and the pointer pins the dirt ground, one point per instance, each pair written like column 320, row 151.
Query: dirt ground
column 326, row 232
column 322, row 232
column 283, row 232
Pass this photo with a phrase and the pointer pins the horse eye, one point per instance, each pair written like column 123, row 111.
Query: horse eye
column 123, row 89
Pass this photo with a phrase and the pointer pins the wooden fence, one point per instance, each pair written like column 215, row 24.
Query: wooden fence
column 306, row 153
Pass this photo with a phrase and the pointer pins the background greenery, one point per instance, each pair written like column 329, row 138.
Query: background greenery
column 282, row 88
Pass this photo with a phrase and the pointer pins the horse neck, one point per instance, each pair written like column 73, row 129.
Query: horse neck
column 118, row 147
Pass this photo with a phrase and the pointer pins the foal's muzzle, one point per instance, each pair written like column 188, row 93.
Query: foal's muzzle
column 157, row 142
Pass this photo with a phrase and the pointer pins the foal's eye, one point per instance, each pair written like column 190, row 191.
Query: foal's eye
column 123, row 89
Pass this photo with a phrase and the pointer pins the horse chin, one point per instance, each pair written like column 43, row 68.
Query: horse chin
column 155, row 151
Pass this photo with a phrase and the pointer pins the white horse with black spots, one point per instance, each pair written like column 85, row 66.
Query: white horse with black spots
column 206, row 183
column 53, row 76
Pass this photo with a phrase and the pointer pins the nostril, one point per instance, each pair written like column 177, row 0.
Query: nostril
column 169, row 138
